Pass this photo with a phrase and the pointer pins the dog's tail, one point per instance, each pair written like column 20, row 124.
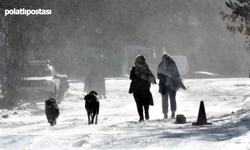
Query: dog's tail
column 93, row 92
column 53, row 99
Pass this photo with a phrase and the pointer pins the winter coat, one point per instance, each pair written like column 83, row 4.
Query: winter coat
column 169, row 75
column 141, row 86
column 170, row 70
column 162, row 87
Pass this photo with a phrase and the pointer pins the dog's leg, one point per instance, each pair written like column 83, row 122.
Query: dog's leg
column 56, row 117
column 93, row 116
column 55, row 120
column 88, row 117
column 96, row 118
column 52, row 121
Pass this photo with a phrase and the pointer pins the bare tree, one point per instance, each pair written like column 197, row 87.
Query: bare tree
column 13, row 53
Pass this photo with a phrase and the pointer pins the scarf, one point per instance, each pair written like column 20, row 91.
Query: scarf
column 170, row 70
column 172, row 73
column 142, row 70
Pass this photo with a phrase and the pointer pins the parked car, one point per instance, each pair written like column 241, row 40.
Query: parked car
column 205, row 74
column 40, row 80
column 182, row 64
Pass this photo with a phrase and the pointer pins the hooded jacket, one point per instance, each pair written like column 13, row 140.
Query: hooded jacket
column 168, row 75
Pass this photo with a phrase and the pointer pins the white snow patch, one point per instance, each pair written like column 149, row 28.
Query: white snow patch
column 226, row 103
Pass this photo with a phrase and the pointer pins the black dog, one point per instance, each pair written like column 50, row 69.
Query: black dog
column 51, row 110
column 92, row 106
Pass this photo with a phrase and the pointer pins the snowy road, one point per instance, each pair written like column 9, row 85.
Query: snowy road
column 227, row 103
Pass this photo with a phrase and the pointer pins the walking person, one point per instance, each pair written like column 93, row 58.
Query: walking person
column 170, row 82
column 142, row 77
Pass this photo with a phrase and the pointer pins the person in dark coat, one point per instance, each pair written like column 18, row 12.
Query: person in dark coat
column 142, row 78
column 170, row 82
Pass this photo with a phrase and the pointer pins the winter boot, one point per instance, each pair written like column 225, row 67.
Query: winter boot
column 165, row 115
column 141, row 119
column 173, row 114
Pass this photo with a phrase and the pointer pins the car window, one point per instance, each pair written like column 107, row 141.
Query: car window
column 38, row 72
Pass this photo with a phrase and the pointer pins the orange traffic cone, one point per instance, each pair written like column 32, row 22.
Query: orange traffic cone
column 202, row 119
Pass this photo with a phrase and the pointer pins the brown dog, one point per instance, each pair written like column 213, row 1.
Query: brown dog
column 51, row 111
column 92, row 106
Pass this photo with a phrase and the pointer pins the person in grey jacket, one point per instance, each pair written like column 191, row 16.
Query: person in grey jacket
column 170, row 82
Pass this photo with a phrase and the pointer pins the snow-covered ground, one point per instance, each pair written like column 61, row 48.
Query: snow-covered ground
column 227, row 103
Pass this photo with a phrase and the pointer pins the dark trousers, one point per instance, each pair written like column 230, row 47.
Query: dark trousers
column 141, row 102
